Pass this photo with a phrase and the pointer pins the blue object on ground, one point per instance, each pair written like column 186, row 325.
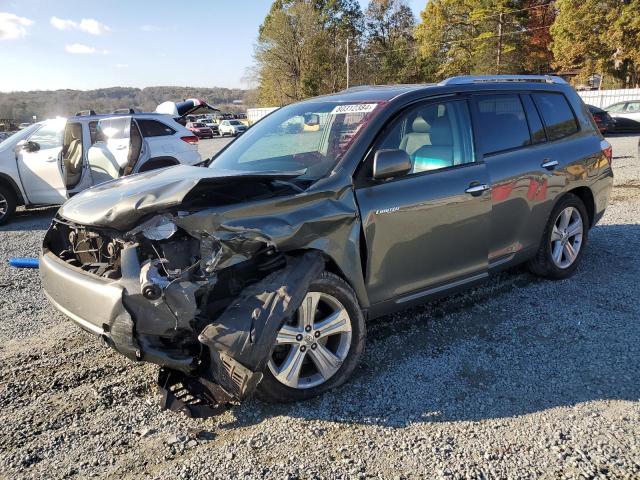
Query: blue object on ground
column 24, row 262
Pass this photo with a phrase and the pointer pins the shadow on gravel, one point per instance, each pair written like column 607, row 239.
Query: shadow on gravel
column 24, row 220
column 514, row 346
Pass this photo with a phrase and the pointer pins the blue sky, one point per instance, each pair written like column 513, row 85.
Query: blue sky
column 85, row 44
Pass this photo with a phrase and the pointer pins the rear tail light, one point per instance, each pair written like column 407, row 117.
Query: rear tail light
column 607, row 151
column 190, row 139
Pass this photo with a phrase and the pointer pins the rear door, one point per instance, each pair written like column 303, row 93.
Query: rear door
column 525, row 161
column 117, row 149
column 429, row 228
column 39, row 164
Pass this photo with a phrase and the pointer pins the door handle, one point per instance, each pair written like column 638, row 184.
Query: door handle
column 549, row 164
column 51, row 159
column 477, row 189
column 121, row 147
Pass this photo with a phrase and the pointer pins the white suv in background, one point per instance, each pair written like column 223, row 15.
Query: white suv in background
column 232, row 127
column 50, row 161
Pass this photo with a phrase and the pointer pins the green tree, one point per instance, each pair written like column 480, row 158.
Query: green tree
column 444, row 38
column 625, row 40
column 301, row 48
column 464, row 37
column 580, row 36
column 389, row 50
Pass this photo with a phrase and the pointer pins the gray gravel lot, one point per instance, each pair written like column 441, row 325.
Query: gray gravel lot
column 519, row 378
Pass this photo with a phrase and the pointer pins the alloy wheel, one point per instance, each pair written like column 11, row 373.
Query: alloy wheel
column 311, row 347
column 4, row 206
column 566, row 237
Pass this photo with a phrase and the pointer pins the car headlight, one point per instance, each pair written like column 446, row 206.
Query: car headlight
column 158, row 228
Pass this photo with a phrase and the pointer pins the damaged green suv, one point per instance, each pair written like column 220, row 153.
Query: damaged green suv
column 257, row 274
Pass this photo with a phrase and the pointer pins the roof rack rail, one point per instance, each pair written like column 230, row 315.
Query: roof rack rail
column 126, row 111
column 85, row 113
column 468, row 79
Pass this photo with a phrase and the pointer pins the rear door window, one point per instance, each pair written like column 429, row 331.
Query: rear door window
column 153, row 128
column 536, row 128
column 557, row 114
column 114, row 128
column 502, row 124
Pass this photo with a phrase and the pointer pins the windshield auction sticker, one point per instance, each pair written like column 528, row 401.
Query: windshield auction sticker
column 357, row 108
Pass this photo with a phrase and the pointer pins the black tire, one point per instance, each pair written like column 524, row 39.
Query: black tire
column 272, row 391
column 542, row 264
column 9, row 201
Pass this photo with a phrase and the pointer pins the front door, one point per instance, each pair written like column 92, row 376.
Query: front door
column 429, row 228
column 39, row 164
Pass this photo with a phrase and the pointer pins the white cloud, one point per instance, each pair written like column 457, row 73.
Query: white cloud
column 79, row 49
column 121, row 65
column 62, row 24
column 88, row 25
column 93, row 27
column 13, row 26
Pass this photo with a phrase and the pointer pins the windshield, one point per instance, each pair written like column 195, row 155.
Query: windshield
column 311, row 137
column 198, row 125
column 235, row 122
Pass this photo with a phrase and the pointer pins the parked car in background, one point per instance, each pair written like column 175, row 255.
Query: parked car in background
column 260, row 271
column 5, row 135
column 200, row 130
column 232, row 127
column 215, row 128
column 48, row 162
column 24, row 125
column 603, row 120
column 626, row 115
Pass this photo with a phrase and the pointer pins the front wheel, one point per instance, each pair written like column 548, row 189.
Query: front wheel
column 319, row 348
column 7, row 204
column 563, row 241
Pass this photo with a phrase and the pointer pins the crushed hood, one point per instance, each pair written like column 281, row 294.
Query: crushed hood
column 120, row 203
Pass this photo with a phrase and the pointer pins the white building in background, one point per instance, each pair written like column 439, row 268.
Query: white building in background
column 255, row 114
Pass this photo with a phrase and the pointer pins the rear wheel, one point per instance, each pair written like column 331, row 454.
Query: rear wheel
column 319, row 348
column 8, row 203
column 563, row 241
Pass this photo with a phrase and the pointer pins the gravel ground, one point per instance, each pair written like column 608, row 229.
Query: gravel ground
column 519, row 378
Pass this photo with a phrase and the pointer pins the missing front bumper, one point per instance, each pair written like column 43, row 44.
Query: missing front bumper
column 234, row 348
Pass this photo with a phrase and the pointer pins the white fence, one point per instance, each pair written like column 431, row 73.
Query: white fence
column 255, row 114
column 604, row 98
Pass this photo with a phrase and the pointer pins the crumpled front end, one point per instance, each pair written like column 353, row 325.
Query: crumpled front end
column 206, row 306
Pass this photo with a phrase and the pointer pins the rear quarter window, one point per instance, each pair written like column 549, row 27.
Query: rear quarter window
column 556, row 114
column 153, row 128
column 502, row 124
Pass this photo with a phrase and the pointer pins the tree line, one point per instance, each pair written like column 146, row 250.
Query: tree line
column 22, row 106
column 303, row 45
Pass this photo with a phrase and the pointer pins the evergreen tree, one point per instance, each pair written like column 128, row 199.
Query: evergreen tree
column 301, row 48
column 580, row 37
column 390, row 46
